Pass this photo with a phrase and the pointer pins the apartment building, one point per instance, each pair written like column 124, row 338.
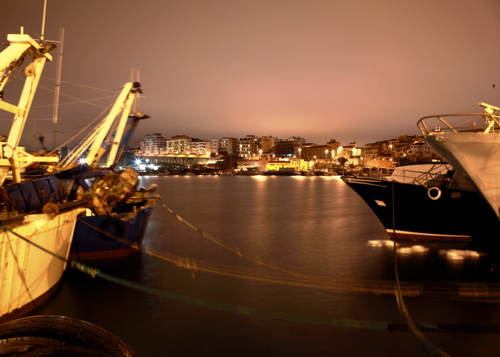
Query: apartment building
column 153, row 143
column 251, row 147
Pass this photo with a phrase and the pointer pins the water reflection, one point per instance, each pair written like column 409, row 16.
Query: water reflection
column 312, row 226
column 455, row 254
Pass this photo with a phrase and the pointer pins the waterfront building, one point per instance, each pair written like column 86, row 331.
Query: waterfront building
column 294, row 164
column 229, row 145
column 325, row 153
column 404, row 149
column 334, row 148
column 198, row 147
column 402, row 146
column 316, row 153
column 387, row 147
column 224, row 145
column 386, row 153
column 153, row 143
column 351, row 155
column 372, row 150
column 215, row 146
column 420, row 152
column 248, row 147
column 251, row 147
column 287, row 148
column 178, row 144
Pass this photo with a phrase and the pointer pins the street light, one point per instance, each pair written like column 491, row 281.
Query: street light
column 300, row 157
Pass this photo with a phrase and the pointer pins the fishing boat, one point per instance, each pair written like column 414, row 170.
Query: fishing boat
column 36, row 223
column 471, row 143
column 427, row 201
column 115, row 223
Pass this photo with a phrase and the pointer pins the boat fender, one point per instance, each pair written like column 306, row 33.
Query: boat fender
column 113, row 227
column 434, row 196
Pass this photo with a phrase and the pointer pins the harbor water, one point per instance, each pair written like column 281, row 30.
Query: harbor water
column 283, row 266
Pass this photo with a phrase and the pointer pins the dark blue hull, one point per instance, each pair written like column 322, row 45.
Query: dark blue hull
column 103, row 237
column 408, row 212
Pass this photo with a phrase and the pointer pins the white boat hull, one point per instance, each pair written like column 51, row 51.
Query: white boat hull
column 27, row 273
column 476, row 156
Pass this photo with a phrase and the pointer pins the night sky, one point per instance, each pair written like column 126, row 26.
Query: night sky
column 345, row 70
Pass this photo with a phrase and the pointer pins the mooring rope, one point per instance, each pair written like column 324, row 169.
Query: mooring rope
column 468, row 291
column 238, row 252
column 276, row 315
column 429, row 346
column 326, row 321
column 308, row 281
column 424, row 341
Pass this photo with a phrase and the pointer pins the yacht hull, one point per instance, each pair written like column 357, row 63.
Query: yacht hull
column 476, row 156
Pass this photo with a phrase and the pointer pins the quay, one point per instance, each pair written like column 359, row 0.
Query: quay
column 176, row 160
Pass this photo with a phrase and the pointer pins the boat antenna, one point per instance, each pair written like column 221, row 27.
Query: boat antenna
column 43, row 20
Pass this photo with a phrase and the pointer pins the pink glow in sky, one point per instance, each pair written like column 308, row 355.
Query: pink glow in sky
column 347, row 70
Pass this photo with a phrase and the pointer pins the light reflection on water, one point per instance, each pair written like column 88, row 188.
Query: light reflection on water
column 313, row 225
column 301, row 222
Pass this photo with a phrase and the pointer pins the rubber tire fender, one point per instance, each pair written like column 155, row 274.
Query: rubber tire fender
column 113, row 227
column 71, row 331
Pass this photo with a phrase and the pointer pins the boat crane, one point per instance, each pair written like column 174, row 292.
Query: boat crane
column 12, row 157
column 108, row 134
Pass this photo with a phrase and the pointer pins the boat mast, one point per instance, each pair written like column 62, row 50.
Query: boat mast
column 57, row 85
